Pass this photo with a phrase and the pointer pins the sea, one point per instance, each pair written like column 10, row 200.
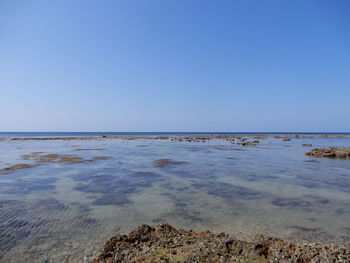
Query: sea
column 54, row 210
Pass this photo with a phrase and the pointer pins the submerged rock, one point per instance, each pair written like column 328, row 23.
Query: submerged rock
column 307, row 144
column 160, row 163
column 89, row 149
column 332, row 152
column 164, row 243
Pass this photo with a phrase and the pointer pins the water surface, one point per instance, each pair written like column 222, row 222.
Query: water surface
column 59, row 212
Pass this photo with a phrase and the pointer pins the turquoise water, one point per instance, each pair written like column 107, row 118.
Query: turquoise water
column 58, row 212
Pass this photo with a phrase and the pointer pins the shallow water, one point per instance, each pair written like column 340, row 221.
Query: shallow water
column 59, row 212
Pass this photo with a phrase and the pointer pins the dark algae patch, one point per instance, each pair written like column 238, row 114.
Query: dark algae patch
column 306, row 229
column 161, row 163
column 116, row 198
column 87, row 149
column 98, row 158
column 33, row 221
column 228, row 149
column 291, row 202
column 339, row 181
column 164, row 243
column 227, row 191
column 28, row 186
column 18, row 222
column 182, row 208
column 117, row 189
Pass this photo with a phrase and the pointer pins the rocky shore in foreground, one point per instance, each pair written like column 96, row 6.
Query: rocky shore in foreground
column 164, row 243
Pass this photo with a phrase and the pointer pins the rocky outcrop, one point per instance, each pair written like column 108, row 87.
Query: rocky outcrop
column 164, row 243
column 332, row 152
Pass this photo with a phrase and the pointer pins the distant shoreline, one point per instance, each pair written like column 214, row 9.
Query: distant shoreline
column 141, row 135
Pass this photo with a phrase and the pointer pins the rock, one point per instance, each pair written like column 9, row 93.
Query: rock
column 249, row 143
column 164, row 243
column 332, row 152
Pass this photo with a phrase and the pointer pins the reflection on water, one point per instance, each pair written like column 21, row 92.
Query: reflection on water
column 57, row 212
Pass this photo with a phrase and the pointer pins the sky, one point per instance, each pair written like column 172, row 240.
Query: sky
column 175, row 65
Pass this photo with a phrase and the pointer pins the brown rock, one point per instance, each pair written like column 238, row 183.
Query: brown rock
column 332, row 152
column 164, row 243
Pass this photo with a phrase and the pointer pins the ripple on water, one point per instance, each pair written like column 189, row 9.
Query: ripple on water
column 58, row 207
column 228, row 191
column 116, row 190
column 21, row 219
column 29, row 185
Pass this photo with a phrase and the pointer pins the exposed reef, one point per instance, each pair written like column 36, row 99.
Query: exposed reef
column 192, row 137
column 60, row 158
column 39, row 158
column 164, row 243
column 16, row 167
column 332, row 152
column 52, row 157
column 250, row 143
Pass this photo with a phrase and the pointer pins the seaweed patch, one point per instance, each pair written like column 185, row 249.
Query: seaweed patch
column 161, row 163
column 227, row 191
column 17, row 167
column 116, row 190
column 290, row 202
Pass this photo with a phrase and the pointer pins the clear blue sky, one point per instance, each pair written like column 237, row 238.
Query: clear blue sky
column 180, row 65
